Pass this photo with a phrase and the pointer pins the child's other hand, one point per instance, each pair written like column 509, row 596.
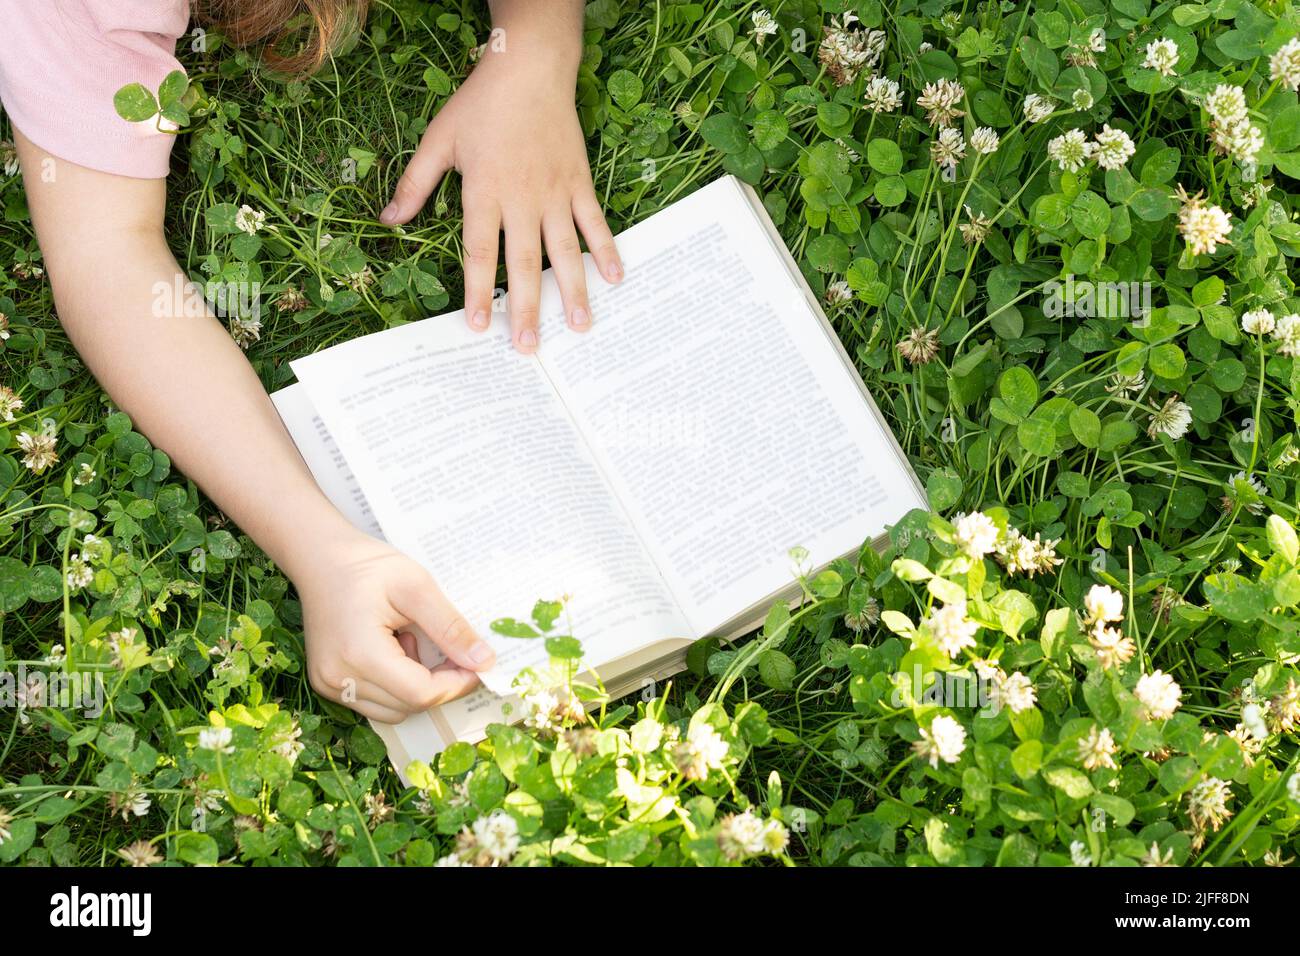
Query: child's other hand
column 359, row 602
column 512, row 132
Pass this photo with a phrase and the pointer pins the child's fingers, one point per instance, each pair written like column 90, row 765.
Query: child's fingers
column 385, row 715
column 565, row 253
column 410, row 685
column 524, row 277
column 425, row 170
column 371, row 693
column 420, row 601
column 591, row 221
column 482, row 235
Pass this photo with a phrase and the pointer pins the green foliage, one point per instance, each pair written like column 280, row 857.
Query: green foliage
column 1051, row 345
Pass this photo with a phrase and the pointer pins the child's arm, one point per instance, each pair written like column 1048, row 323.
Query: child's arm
column 512, row 132
column 188, row 388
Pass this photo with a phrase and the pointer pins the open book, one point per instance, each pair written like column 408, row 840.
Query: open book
column 656, row 470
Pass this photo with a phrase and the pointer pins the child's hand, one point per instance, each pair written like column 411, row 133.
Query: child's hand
column 512, row 132
column 359, row 602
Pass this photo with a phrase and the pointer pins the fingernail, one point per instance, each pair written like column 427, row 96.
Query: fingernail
column 480, row 653
column 614, row 271
column 580, row 318
column 528, row 339
column 389, row 213
column 480, row 320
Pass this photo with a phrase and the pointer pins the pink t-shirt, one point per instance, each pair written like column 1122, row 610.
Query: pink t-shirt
column 61, row 61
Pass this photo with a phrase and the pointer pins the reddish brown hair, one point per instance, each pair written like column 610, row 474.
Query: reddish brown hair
column 246, row 22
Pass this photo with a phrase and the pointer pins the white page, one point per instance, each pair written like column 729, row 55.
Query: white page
column 719, row 410
column 423, row 734
column 472, row 467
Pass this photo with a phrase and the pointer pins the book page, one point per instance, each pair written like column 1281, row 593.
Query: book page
column 423, row 734
column 472, row 467
column 720, row 411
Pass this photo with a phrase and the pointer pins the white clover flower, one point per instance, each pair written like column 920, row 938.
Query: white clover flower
column 1070, row 150
column 1246, row 742
column 977, row 229
column 939, row 99
column 10, row 403
column 1157, row 857
column 1239, row 139
column 1098, row 749
column 1287, row 335
column 38, row 451
column 951, row 629
column 1257, row 193
column 1284, row 65
column 1158, row 694
column 1248, row 490
column 1293, row 787
column 217, row 739
column 1081, row 99
column 1258, row 322
column 944, row 739
column 984, row 140
column 1120, row 383
column 121, row 643
column 134, row 803
column 249, row 220
column 8, row 157
column 707, row 745
column 741, row 835
column 764, row 25
column 80, row 574
column 1207, row 804
column 1021, row 554
column 976, row 533
column 882, row 95
column 1173, row 418
column 1103, row 603
column 838, row 292
column 498, row 835
column 1112, row 148
column 1252, row 720
column 287, row 744
column 1162, row 56
column 1204, row 228
column 1097, row 40
column 451, row 859
column 845, row 52
column 1038, row 108
column 775, row 837
column 541, row 706
column 1113, row 649
column 1079, row 854
column 245, row 331
column 1227, row 103
column 949, row 147
column 85, row 474
column 920, row 345
column 1014, row 691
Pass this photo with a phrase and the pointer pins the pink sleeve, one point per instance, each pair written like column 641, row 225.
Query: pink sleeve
column 61, row 61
